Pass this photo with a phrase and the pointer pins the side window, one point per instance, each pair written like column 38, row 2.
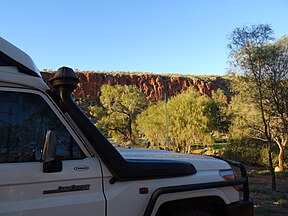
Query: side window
column 24, row 121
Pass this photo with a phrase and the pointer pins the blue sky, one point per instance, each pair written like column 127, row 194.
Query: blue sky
column 158, row 36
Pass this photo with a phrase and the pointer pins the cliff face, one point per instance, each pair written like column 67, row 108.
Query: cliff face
column 152, row 85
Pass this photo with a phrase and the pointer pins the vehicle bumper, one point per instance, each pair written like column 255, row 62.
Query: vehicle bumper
column 241, row 208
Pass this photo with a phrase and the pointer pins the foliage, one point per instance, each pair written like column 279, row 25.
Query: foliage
column 264, row 64
column 278, row 174
column 187, row 122
column 283, row 202
column 216, row 110
column 193, row 119
column 151, row 122
column 97, row 112
column 120, row 106
column 246, row 122
column 86, row 103
column 248, row 151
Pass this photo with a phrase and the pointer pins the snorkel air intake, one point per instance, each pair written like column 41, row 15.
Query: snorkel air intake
column 66, row 78
column 64, row 83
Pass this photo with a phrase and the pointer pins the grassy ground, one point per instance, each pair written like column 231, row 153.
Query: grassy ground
column 266, row 201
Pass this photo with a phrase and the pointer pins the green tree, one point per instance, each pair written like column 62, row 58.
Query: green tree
column 97, row 112
column 216, row 110
column 244, row 45
column 188, row 121
column 152, row 123
column 122, row 104
column 263, row 62
column 248, row 142
column 275, row 63
column 246, row 117
column 188, row 124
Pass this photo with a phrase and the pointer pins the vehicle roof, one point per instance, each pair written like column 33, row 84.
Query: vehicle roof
column 10, row 55
column 17, row 67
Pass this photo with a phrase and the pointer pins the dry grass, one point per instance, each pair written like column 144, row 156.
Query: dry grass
column 266, row 201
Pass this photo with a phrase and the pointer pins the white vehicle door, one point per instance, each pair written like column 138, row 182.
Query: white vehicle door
column 74, row 188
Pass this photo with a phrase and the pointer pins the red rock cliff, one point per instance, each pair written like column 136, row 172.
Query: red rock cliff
column 152, row 85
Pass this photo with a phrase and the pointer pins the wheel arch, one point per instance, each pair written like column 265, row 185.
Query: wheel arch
column 206, row 204
column 189, row 198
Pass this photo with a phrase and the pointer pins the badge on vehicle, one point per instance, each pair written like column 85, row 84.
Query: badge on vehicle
column 81, row 168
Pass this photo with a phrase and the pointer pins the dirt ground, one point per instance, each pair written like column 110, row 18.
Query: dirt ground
column 266, row 201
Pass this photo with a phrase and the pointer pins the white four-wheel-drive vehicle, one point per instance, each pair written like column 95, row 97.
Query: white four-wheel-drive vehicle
column 54, row 161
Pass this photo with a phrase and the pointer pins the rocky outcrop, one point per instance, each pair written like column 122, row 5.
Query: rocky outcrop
column 152, row 85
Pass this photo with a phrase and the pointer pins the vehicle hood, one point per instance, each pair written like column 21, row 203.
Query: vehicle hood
column 200, row 162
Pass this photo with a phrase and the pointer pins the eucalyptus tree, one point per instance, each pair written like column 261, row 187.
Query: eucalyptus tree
column 120, row 106
column 262, row 61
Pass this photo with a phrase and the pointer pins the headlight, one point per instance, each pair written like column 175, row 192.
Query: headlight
column 227, row 175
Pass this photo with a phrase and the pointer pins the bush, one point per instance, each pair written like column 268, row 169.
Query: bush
column 264, row 159
column 283, row 202
column 249, row 152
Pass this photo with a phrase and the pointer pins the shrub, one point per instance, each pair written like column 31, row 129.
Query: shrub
column 247, row 151
column 283, row 202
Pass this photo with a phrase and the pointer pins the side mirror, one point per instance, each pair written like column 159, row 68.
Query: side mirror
column 48, row 154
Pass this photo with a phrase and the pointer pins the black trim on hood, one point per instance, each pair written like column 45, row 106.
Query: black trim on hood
column 64, row 82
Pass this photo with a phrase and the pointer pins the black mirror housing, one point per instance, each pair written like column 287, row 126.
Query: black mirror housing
column 52, row 166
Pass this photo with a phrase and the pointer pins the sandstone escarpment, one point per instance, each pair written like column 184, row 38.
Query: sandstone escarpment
column 152, row 85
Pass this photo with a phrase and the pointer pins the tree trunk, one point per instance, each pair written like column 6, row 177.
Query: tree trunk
column 281, row 158
column 271, row 167
column 187, row 148
column 267, row 134
column 130, row 128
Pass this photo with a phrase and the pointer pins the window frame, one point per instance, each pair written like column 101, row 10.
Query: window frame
column 59, row 114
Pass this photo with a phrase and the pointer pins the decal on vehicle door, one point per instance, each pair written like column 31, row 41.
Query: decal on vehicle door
column 71, row 188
